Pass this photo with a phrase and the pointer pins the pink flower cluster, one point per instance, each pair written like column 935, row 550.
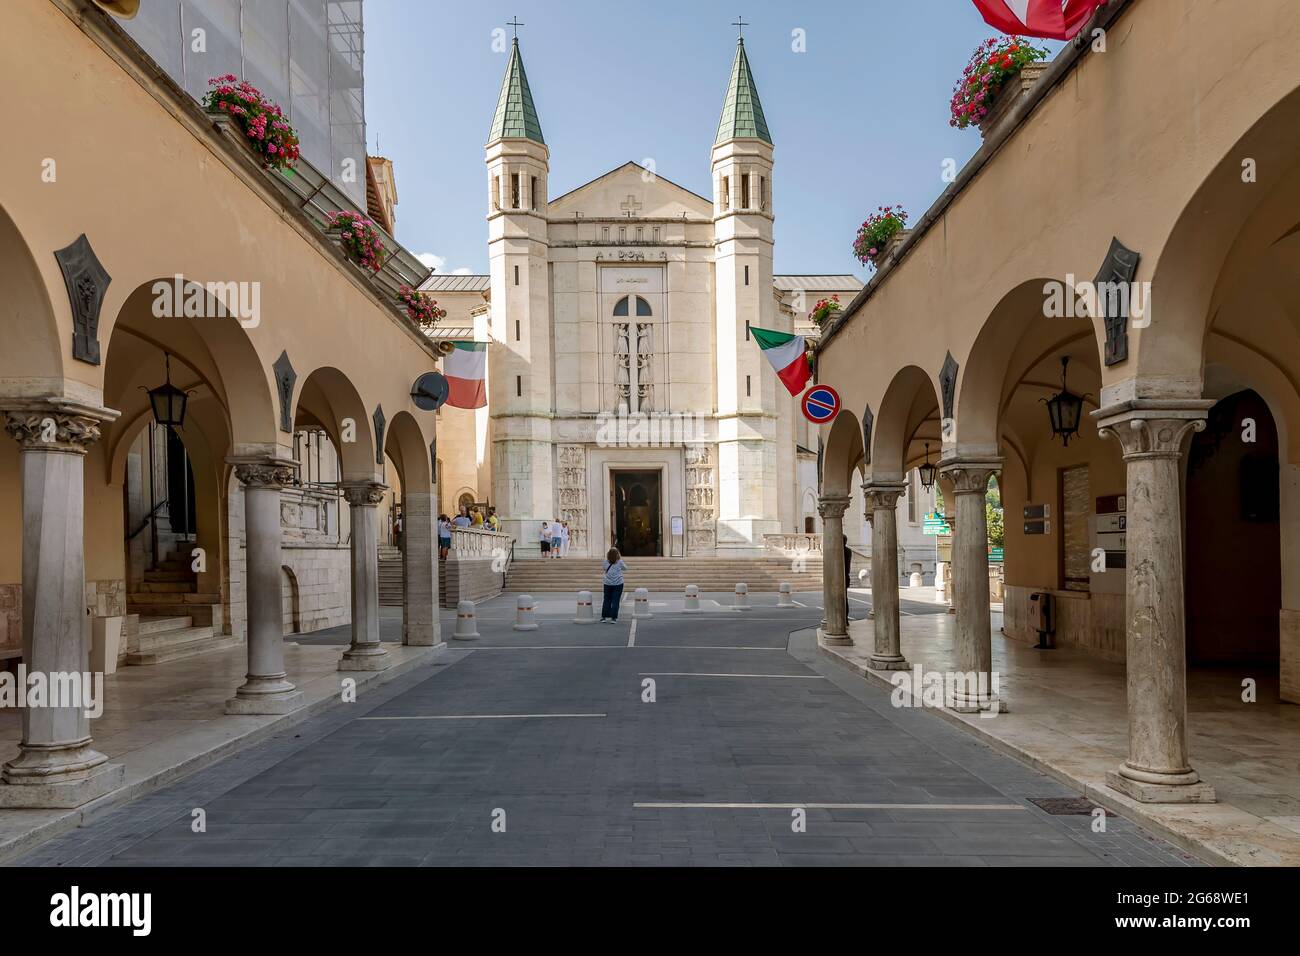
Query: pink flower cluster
column 421, row 307
column 880, row 227
column 991, row 65
column 359, row 237
column 260, row 118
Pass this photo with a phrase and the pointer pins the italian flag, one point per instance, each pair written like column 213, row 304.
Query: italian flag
column 466, row 373
column 787, row 354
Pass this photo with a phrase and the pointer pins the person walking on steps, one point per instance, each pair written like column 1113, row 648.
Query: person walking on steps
column 614, row 568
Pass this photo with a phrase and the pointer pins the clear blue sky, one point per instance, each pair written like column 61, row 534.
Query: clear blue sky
column 859, row 120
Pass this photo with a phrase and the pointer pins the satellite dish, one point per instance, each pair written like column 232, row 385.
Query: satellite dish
column 430, row 391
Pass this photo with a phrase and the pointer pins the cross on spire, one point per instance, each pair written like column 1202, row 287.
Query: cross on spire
column 514, row 22
column 740, row 24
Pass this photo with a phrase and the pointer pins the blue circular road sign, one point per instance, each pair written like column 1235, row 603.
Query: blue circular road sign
column 821, row 404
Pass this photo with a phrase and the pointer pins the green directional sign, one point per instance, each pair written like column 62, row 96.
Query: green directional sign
column 995, row 554
column 935, row 524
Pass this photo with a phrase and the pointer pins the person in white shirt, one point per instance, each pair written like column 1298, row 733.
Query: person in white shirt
column 544, row 538
column 564, row 539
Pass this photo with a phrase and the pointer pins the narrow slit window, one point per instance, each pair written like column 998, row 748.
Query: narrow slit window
column 517, row 336
column 532, row 193
column 516, row 275
column 519, row 385
column 748, row 393
column 746, row 275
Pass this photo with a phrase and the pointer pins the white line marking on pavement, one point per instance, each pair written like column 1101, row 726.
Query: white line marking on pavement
column 828, row 806
column 687, row 674
column 705, row 647
column 481, row 716
column 631, row 635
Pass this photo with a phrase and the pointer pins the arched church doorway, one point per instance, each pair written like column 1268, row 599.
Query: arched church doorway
column 1234, row 581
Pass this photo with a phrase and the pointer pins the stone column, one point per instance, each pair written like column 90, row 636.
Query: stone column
column 882, row 504
column 835, row 595
column 420, row 625
column 970, row 575
column 265, row 689
column 1152, row 434
column 56, row 765
column 366, row 652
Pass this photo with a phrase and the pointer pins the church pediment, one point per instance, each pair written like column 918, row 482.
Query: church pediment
column 631, row 188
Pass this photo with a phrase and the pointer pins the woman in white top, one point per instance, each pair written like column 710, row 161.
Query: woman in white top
column 564, row 539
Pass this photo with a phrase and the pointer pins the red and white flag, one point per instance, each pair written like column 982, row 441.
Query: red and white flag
column 1053, row 19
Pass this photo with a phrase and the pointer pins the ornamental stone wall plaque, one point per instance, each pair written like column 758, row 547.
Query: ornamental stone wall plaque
column 86, row 280
column 1119, row 268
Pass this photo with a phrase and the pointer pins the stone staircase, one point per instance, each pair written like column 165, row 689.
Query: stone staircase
column 176, row 621
column 666, row 575
column 392, row 585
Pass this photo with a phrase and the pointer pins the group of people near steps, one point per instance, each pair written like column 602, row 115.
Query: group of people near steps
column 554, row 539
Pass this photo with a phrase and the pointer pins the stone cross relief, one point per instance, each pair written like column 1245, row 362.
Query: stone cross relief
column 632, row 206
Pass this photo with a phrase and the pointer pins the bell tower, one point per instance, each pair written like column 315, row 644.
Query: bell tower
column 520, row 363
column 752, row 412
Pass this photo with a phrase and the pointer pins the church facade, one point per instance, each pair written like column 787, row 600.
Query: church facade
column 626, row 395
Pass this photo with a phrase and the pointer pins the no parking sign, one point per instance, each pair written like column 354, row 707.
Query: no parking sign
column 821, row 404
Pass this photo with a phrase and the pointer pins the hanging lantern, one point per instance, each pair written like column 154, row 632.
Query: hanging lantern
column 927, row 471
column 168, row 401
column 1065, row 409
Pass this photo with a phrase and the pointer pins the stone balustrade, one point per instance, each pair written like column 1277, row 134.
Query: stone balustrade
column 469, row 543
column 793, row 545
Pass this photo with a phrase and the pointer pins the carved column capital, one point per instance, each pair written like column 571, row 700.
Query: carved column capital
column 56, row 425
column 882, row 497
column 970, row 477
column 271, row 473
column 363, row 493
column 1152, row 428
column 833, row 506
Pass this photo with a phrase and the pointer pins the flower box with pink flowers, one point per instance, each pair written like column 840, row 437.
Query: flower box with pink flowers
column 1000, row 72
column 880, row 235
column 259, row 120
column 358, row 237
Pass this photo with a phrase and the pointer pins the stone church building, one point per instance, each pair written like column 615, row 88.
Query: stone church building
column 625, row 393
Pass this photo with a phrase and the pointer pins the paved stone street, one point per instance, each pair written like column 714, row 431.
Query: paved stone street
column 545, row 734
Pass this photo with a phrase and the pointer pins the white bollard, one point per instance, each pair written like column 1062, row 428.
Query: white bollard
column 915, row 580
column 525, row 613
column 741, row 600
column 585, row 613
column 641, row 603
column 691, row 604
column 466, row 629
column 784, row 598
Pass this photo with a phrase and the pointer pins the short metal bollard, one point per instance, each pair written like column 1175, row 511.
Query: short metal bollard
column 741, row 601
column 586, row 614
column 641, row 603
column 466, row 628
column 691, row 604
column 785, row 598
column 525, row 613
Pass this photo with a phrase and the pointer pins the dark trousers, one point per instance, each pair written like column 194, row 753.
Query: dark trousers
column 613, row 595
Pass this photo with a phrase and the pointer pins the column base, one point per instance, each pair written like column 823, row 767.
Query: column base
column 423, row 635
column 834, row 640
column 271, row 696
column 978, row 705
column 1193, row 791
column 899, row 663
column 527, row 627
column 54, row 794
column 365, row 657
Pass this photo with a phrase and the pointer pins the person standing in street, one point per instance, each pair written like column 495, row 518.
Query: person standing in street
column 614, row 568
column 444, row 537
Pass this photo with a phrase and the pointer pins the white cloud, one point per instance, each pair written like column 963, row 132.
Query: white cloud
column 439, row 265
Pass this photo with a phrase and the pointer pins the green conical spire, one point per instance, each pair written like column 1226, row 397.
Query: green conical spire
column 742, row 113
column 516, row 117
